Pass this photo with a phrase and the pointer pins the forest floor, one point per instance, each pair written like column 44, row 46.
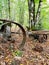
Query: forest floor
column 34, row 53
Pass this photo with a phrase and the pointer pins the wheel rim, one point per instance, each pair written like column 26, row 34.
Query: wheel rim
column 22, row 30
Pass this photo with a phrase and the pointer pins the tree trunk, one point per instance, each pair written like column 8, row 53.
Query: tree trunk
column 9, row 7
column 31, row 4
column 38, row 11
column 34, row 19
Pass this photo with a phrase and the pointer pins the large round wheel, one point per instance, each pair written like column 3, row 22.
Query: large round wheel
column 17, row 32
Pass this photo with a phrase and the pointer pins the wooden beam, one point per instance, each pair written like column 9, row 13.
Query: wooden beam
column 40, row 32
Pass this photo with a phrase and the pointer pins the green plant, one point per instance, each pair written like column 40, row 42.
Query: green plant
column 18, row 53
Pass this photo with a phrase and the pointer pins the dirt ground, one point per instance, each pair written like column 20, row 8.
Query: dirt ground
column 34, row 53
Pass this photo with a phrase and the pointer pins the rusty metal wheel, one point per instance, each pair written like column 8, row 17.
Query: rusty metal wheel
column 17, row 32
